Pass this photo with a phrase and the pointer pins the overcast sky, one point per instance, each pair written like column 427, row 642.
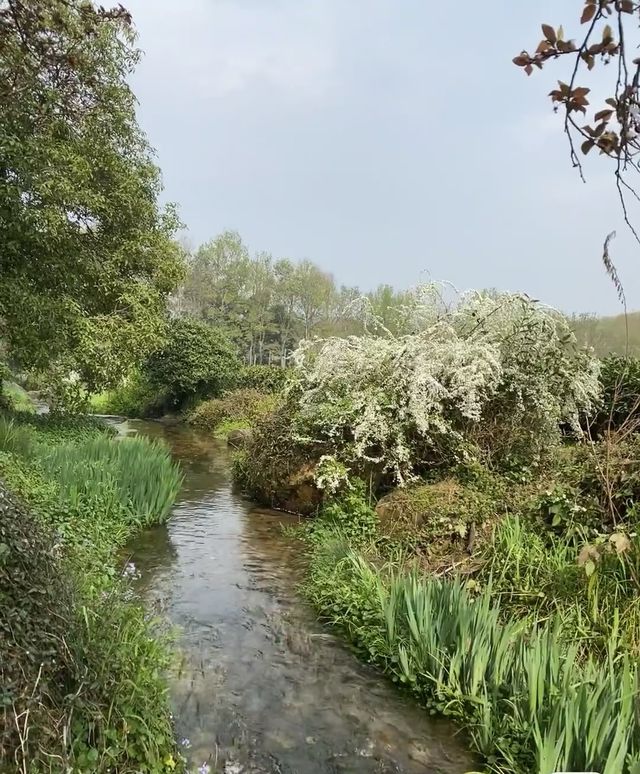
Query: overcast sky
column 386, row 140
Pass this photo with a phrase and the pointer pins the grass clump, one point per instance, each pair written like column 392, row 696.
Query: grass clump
column 104, row 707
column 528, row 702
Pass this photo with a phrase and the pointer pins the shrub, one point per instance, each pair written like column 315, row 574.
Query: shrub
column 105, row 708
column 265, row 378
column 620, row 401
column 36, row 599
column 15, row 398
column 493, row 379
column 241, row 407
column 438, row 515
column 276, row 469
column 196, row 361
column 596, row 488
column 135, row 397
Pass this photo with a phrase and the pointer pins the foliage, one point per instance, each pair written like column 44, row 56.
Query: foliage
column 88, row 258
column 493, row 377
column 109, row 709
column 133, row 397
column 596, row 487
column 436, row 516
column 195, row 362
column 264, row 378
column 15, row 398
column 592, row 584
column 618, row 335
column 133, row 477
column 36, row 600
column 619, row 408
column 275, row 468
column 268, row 305
column 527, row 702
column 244, row 405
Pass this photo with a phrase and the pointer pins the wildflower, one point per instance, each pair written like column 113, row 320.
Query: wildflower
column 204, row 769
column 130, row 571
column 185, row 743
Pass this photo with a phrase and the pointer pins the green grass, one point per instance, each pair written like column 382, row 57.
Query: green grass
column 538, row 575
column 133, row 476
column 17, row 398
column 89, row 492
column 528, row 702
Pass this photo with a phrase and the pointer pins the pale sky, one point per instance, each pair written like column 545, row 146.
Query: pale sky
column 386, row 140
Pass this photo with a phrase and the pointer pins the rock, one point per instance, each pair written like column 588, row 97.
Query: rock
column 239, row 439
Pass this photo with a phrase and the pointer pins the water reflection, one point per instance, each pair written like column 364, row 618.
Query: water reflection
column 262, row 687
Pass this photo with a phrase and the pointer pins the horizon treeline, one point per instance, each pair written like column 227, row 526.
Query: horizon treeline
column 267, row 305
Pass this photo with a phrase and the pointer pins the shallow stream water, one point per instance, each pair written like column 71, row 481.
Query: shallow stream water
column 262, row 686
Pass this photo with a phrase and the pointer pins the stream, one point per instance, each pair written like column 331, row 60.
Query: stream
column 262, row 687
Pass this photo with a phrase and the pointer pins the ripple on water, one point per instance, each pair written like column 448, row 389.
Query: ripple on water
column 261, row 687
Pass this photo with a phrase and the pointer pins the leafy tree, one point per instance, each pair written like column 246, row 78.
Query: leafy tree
column 196, row 361
column 87, row 257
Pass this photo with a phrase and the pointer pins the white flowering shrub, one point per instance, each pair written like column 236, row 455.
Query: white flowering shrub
column 491, row 376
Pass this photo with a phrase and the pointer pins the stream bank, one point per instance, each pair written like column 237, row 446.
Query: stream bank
column 262, row 687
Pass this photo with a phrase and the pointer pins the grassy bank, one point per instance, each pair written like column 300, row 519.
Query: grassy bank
column 81, row 662
column 530, row 696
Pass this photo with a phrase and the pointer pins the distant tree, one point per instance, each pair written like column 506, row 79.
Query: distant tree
column 87, row 257
column 614, row 128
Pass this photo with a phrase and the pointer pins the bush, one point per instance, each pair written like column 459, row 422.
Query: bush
column 491, row 380
column 594, row 588
column 620, row 401
column 37, row 614
column 135, row 397
column 437, row 516
column 595, row 488
column 241, row 407
column 276, row 469
column 196, row 362
column 15, row 398
column 265, row 378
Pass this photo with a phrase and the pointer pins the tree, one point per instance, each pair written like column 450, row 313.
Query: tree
column 217, row 275
column 87, row 258
column 614, row 128
column 196, row 361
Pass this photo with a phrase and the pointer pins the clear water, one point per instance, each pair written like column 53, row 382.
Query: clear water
column 262, row 686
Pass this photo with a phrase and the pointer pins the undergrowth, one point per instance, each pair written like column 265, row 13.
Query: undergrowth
column 534, row 655
column 527, row 700
column 91, row 697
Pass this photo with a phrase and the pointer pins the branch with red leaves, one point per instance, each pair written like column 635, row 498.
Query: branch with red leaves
column 614, row 129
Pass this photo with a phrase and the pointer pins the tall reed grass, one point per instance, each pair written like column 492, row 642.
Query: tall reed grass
column 529, row 702
column 133, row 474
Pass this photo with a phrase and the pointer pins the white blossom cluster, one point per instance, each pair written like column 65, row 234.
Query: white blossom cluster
column 488, row 367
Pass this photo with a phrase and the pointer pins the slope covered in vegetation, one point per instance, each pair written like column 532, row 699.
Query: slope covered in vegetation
column 81, row 664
